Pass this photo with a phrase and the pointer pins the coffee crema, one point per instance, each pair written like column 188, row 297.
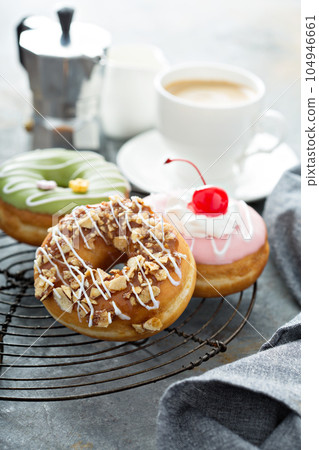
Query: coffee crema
column 211, row 92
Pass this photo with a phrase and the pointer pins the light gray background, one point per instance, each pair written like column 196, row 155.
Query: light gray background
column 262, row 36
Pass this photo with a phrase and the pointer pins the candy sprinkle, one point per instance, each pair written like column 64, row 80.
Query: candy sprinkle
column 79, row 185
column 46, row 185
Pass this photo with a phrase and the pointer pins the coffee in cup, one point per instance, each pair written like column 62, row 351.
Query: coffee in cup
column 211, row 92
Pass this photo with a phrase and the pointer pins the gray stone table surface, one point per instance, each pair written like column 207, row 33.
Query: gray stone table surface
column 262, row 36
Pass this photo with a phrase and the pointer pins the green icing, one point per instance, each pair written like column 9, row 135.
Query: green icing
column 19, row 177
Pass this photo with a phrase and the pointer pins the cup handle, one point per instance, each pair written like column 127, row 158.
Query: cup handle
column 272, row 121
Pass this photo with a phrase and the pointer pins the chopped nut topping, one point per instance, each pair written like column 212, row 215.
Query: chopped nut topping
column 163, row 259
column 153, row 324
column 91, row 242
column 67, row 274
column 94, row 292
column 120, row 242
column 40, row 287
column 45, row 259
column 132, row 263
column 145, row 295
column 74, row 285
column 62, row 300
column 46, row 294
column 85, row 311
column 151, row 266
column 49, row 273
column 138, row 327
column 161, row 275
column 103, row 320
column 39, row 260
column 65, row 248
column 76, row 295
column 74, row 261
column 115, row 271
column 137, row 234
column 118, row 283
column 158, row 234
column 67, row 291
column 103, row 275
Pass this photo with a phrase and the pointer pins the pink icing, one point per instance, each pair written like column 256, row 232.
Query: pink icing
column 238, row 247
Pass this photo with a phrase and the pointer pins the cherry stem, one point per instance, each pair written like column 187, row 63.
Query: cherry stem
column 189, row 162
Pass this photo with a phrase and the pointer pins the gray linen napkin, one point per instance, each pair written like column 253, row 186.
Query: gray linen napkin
column 282, row 215
column 254, row 402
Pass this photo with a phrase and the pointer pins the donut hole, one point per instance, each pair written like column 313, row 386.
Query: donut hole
column 62, row 177
column 117, row 266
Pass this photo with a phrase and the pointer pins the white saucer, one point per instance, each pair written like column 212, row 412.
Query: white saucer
column 141, row 160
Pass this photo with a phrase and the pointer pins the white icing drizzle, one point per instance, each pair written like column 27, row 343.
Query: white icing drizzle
column 119, row 313
column 224, row 249
column 56, row 229
column 111, row 169
column 112, row 210
column 71, row 267
column 82, row 291
column 140, row 214
column 78, row 296
column 41, row 276
column 30, row 160
column 78, row 311
column 42, row 250
column 176, row 268
column 155, row 302
column 103, row 284
column 117, row 222
column 174, row 282
column 80, row 230
column 87, row 210
column 56, row 293
column 127, row 222
column 248, row 217
column 170, row 257
column 180, row 255
column 46, row 280
column 33, row 201
column 14, row 186
column 136, row 294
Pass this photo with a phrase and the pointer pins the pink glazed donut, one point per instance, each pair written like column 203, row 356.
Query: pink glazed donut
column 230, row 246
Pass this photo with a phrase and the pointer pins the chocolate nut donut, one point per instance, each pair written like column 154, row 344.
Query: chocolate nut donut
column 73, row 280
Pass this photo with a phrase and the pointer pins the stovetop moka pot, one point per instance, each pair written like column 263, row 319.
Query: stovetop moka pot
column 65, row 62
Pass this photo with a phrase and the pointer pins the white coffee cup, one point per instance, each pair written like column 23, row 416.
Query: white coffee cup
column 215, row 137
column 128, row 104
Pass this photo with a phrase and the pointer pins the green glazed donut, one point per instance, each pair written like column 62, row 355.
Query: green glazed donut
column 20, row 176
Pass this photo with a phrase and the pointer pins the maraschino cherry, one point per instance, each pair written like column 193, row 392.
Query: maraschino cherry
column 210, row 200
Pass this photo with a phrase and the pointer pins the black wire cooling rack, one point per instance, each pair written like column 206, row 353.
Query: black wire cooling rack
column 42, row 360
